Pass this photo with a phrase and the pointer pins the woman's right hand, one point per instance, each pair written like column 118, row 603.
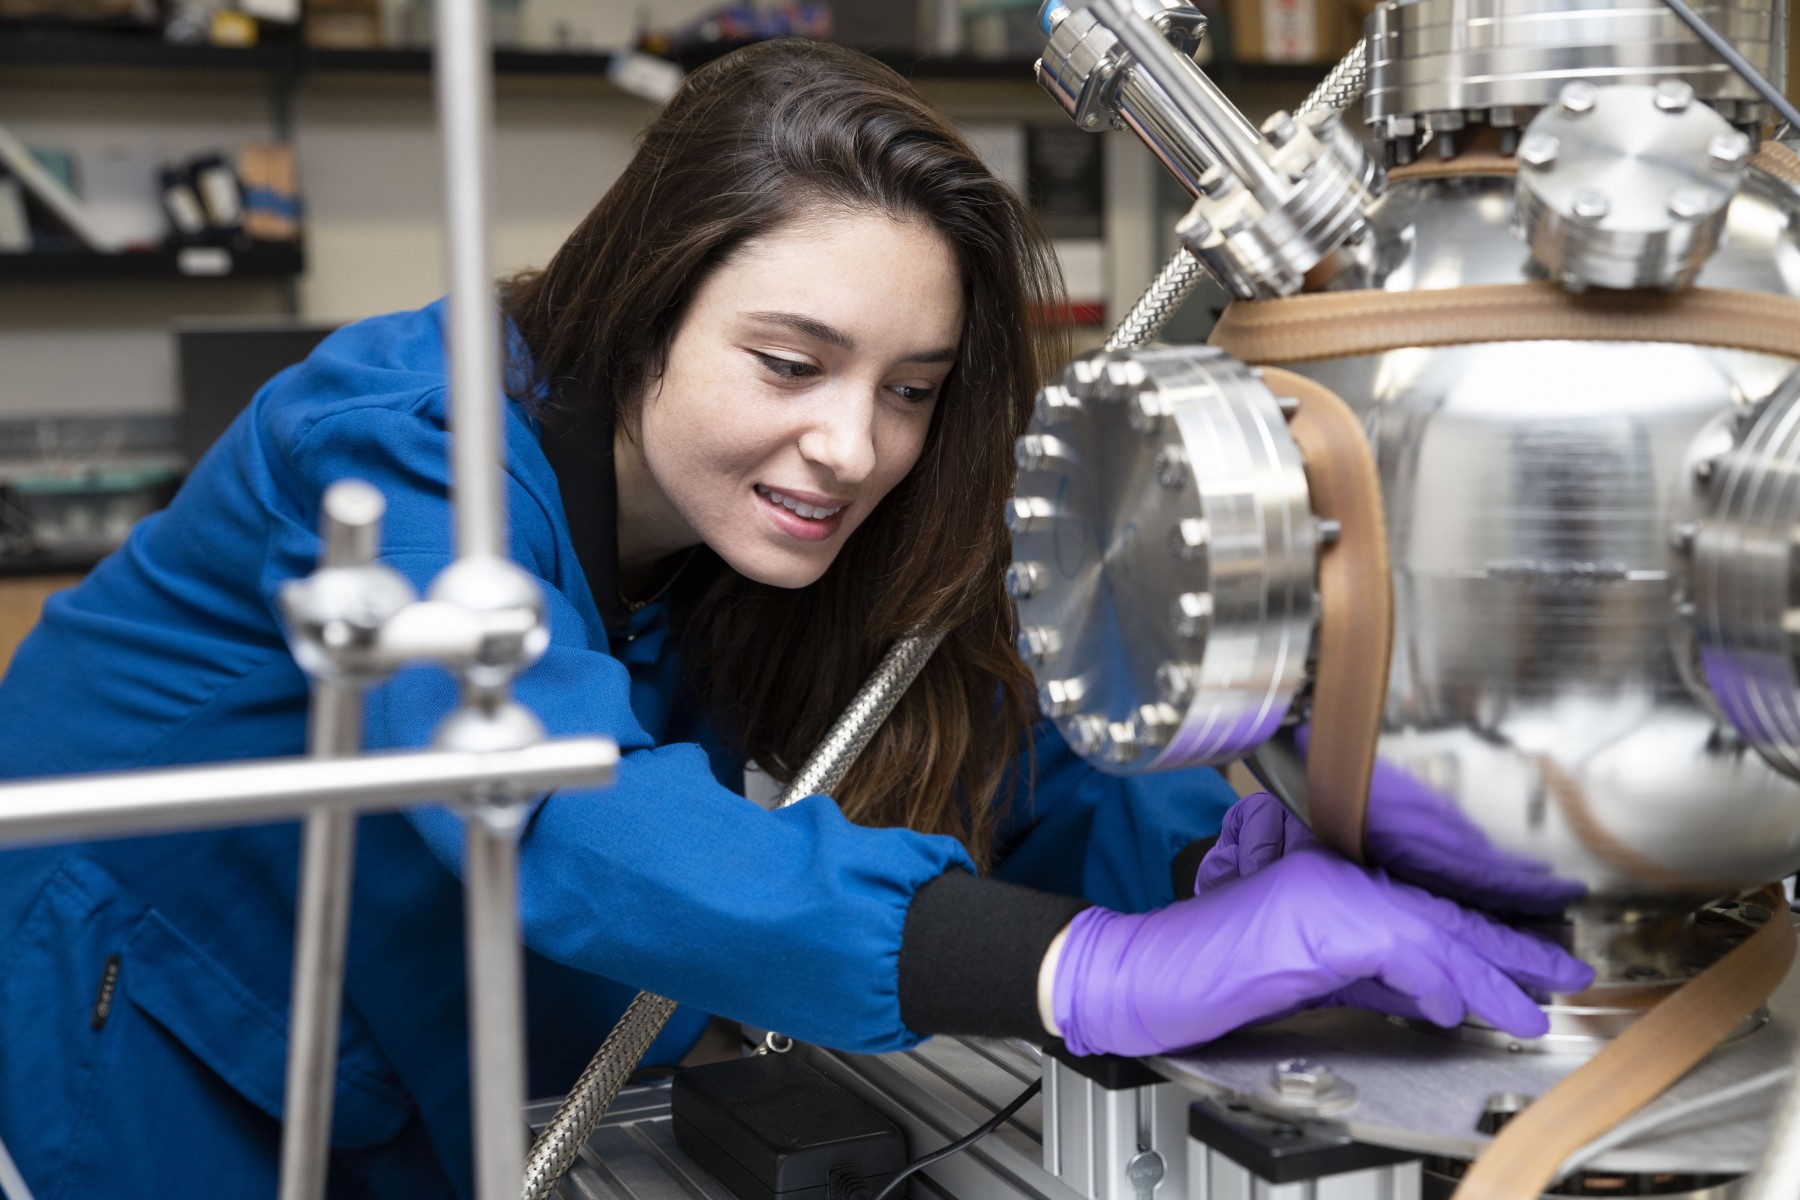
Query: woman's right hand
column 1310, row 929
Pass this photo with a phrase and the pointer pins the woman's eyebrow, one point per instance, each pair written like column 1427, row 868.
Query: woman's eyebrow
column 810, row 326
column 831, row 335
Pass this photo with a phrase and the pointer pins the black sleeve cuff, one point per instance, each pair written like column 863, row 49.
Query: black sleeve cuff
column 1186, row 869
column 970, row 953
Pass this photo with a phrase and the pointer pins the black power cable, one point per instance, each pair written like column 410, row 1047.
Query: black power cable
column 962, row 1143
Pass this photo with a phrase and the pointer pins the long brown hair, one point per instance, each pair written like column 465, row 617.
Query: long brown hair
column 750, row 143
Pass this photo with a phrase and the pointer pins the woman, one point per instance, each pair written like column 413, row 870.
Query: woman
column 764, row 401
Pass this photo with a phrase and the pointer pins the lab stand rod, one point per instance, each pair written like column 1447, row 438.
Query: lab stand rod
column 327, row 852
column 496, row 996
column 125, row 803
column 351, row 513
column 464, row 81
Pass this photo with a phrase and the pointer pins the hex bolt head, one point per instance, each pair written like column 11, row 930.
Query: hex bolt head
column 1690, row 202
column 1061, row 697
column 1038, row 644
column 1279, row 129
column 1673, row 96
column 1187, row 541
column 1028, row 514
column 1120, row 745
column 1578, row 99
column 1125, row 373
column 1056, row 404
column 1025, row 579
column 1191, row 613
column 1682, row 537
column 1705, row 469
column 1728, row 151
column 1590, row 206
column 1175, row 683
column 1145, row 412
column 1029, row 452
column 1156, row 724
column 1172, row 466
column 1302, row 1077
column 1085, row 733
column 1319, row 120
column 1540, row 150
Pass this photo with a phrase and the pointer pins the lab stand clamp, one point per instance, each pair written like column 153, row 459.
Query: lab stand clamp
column 1627, row 186
column 1270, row 205
column 1164, row 557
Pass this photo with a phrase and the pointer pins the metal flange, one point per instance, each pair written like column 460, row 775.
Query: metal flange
column 1625, row 186
column 1164, row 558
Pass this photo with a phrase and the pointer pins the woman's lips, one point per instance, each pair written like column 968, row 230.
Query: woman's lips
column 807, row 529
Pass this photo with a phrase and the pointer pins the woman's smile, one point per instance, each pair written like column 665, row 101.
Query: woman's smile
column 812, row 522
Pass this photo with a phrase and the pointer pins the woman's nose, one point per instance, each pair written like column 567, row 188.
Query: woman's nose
column 841, row 438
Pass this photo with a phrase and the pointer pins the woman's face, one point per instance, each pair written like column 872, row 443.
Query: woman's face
column 798, row 392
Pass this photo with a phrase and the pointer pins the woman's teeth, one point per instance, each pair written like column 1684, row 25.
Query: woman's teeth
column 810, row 512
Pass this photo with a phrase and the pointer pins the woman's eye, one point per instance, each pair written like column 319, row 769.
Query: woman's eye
column 914, row 395
column 786, row 368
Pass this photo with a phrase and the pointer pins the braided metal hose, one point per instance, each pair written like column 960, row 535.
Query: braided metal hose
column 1178, row 278
column 557, row 1146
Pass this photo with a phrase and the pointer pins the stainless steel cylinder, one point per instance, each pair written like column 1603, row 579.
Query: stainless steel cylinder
column 1164, row 558
column 1439, row 62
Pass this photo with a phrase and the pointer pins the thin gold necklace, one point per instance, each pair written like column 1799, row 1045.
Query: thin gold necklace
column 636, row 606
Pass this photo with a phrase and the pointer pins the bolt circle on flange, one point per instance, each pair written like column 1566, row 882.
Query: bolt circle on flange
column 1170, row 544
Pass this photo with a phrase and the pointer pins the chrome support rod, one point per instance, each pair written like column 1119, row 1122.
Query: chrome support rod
column 464, row 80
column 126, row 803
column 327, row 851
column 351, row 518
column 496, row 970
column 1720, row 45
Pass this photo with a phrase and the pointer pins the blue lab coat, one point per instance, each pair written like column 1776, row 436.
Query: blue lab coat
column 144, row 982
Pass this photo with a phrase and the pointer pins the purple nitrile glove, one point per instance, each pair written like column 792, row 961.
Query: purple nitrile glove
column 1414, row 831
column 1309, row 930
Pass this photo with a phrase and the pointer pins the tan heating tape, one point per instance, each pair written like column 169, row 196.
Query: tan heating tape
column 1323, row 325
column 1356, row 610
column 1636, row 1067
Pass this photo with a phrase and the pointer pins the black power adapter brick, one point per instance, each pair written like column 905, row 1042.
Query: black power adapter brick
column 769, row 1127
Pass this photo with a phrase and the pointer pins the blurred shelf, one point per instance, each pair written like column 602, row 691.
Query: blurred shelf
column 272, row 261
column 23, row 47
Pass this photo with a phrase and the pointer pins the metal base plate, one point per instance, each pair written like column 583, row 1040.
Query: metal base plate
column 1427, row 1093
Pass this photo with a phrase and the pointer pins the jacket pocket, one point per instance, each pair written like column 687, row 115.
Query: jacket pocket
column 242, row 1040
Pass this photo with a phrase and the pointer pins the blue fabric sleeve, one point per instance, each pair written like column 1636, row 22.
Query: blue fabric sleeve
column 1110, row 839
column 790, row 920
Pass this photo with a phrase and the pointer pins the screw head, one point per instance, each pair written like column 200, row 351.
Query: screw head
column 1038, row 644
column 1673, row 96
column 1085, row 732
column 1191, row 613
column 1061, row 697
column 1025, row 579
column 1279, row 129
column 1690, row 202
column 1540, row 150
column 1303, row 1077
column 1590, row 206
column 1187, row 541
column 1578, row 99
column 1728, row 151
column 1171, row 466
column 1175, row 683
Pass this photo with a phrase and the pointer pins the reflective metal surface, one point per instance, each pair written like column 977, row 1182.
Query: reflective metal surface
column 1746, row 565
column 1434, row 64
column 1627, row 187
column 1421, row 1092
column 1540, row 682
column 1164, row 556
